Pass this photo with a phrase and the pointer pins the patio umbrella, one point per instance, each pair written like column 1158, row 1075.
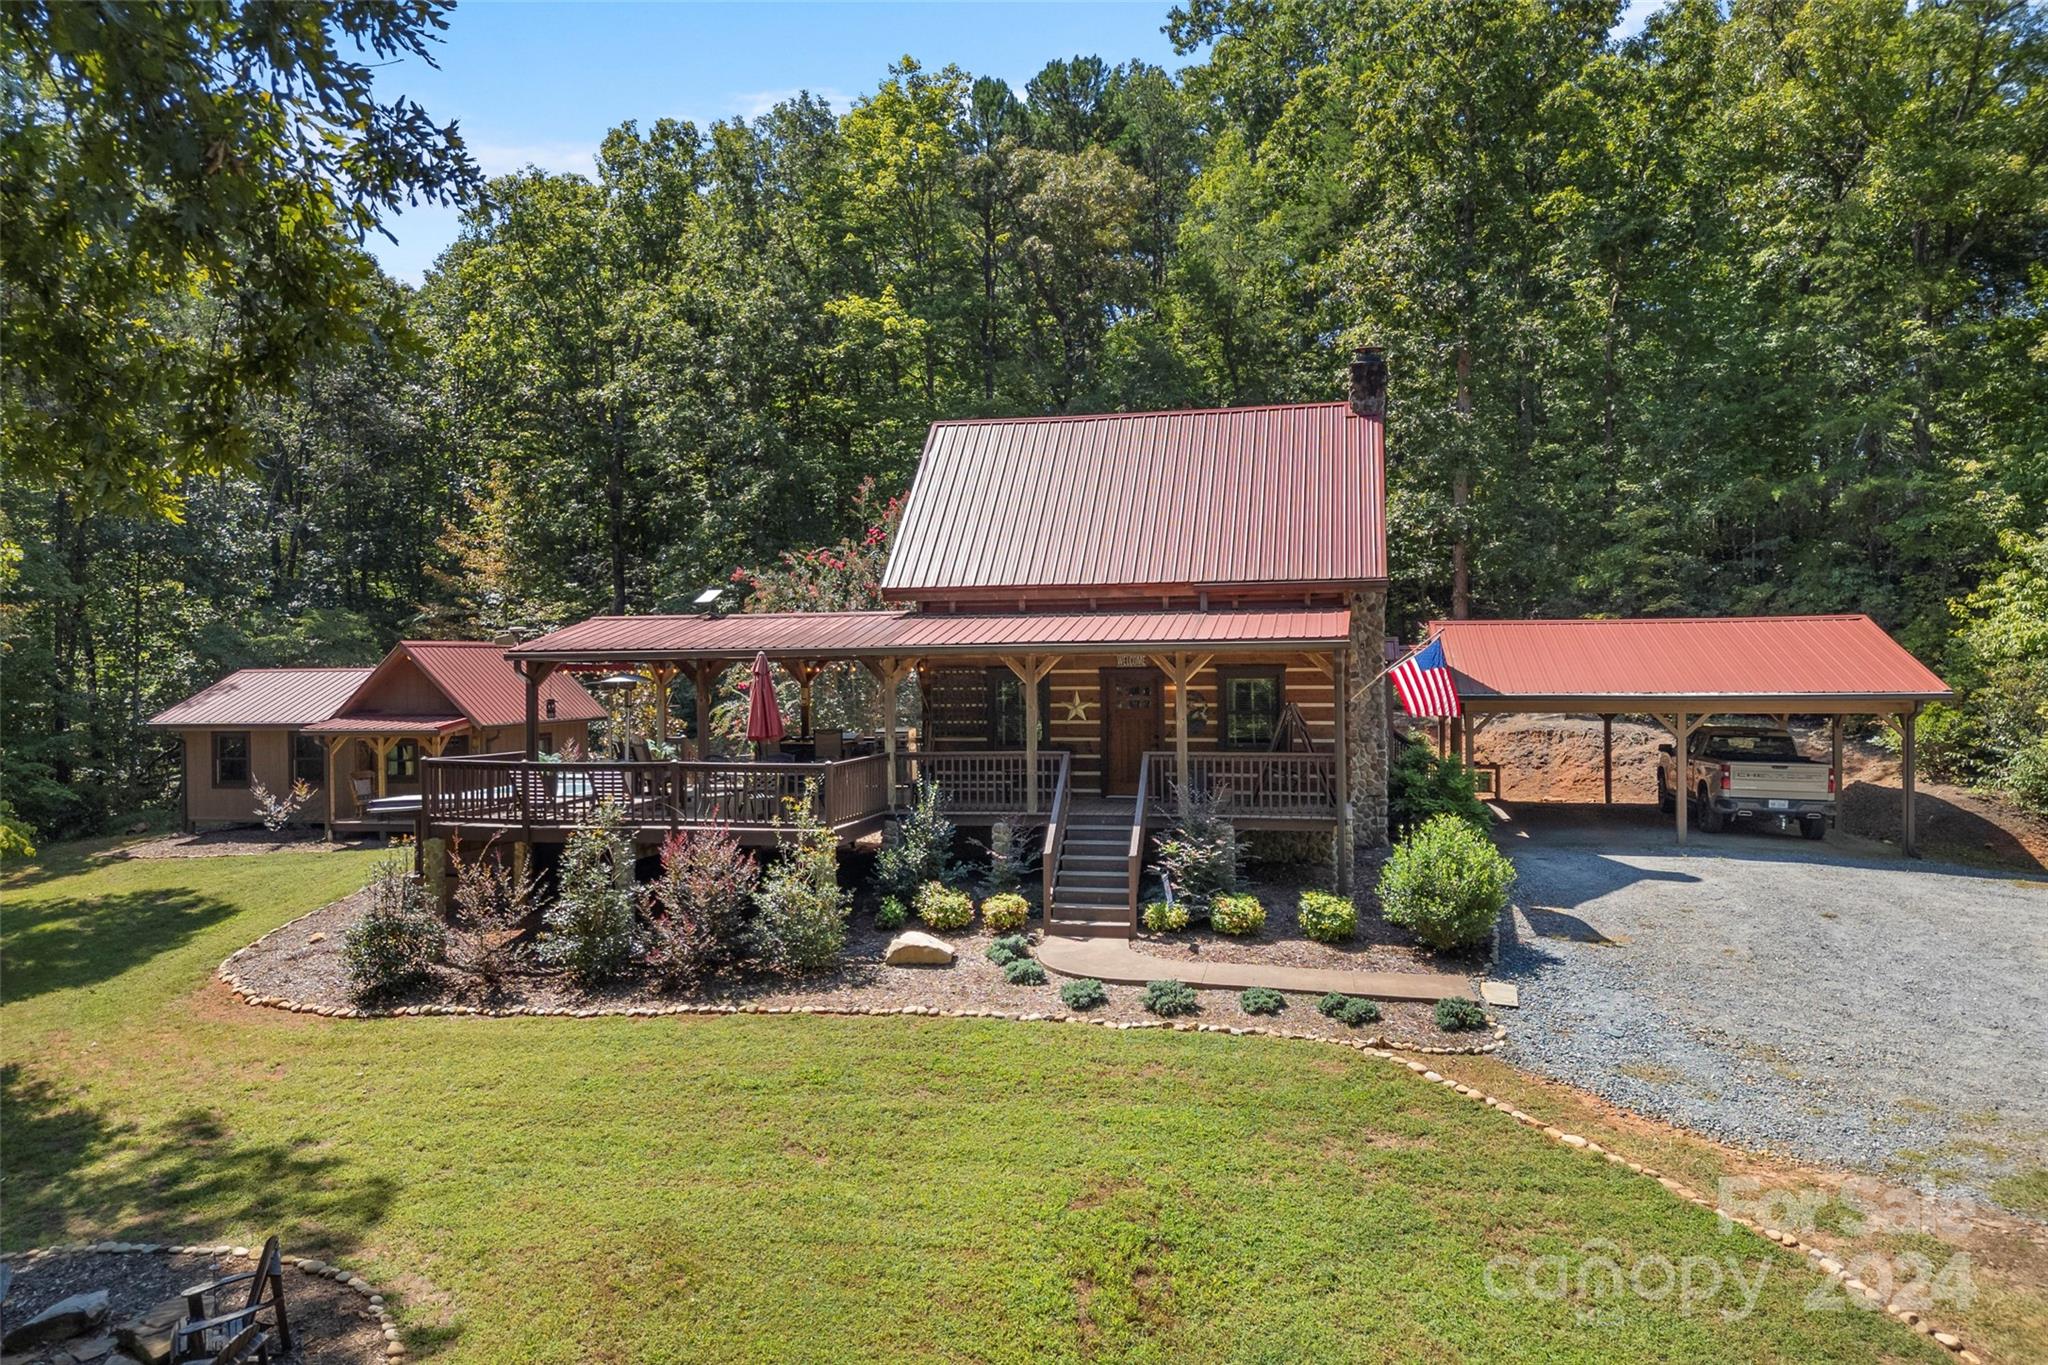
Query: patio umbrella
column 764, row 717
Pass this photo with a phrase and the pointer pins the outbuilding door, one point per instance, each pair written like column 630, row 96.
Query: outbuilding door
column 1132, row 716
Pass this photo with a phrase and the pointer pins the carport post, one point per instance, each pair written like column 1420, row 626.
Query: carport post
column 1835, row 742
column 1906, row 727
column 1607, row 760
column 1681, row 775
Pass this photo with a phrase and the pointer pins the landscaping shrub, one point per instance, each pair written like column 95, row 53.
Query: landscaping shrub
column 1199, row 854
column 1007, row 949
column 800, row 919
column 394, row 946
column 942, row 908
column 1456, row 1015
column 1025, row 971
column 890, row 914
column 919, row 847
column 1006, row 912
column 1261, row 1000
column 1421, row 785
column 276, row 811
column 1238, row 914
column 1011, row 858
column 589, row 932
column 1166, row 917
column 1169, row 998
column 1357, row 1011
column 1348, row 1009
column 698, row 908
column 1446, row 883
column 1084, row 994
column 1327, row 917
column 490, row 903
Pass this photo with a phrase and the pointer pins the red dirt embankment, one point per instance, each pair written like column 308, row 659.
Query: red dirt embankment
column 1557, row 759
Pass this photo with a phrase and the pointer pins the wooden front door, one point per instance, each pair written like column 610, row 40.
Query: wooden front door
column 1132, row 714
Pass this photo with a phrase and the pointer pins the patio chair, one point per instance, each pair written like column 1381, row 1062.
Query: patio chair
column 206, row 1313
column 364, row 785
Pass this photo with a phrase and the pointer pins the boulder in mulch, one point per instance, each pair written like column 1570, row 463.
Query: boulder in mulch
column 915, row 948
column 65, row 1318
column 147, row 1335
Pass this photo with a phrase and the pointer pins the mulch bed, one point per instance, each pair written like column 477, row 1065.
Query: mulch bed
column 331, row 1324
column 225, row 843
column 302, row 962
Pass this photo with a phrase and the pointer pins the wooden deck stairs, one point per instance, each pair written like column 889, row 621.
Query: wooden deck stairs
column 1092, row 890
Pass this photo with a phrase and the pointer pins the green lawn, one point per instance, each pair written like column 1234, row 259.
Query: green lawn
column 806, row 1188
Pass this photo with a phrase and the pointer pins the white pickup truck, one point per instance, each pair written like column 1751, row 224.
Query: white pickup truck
column 1751, row 775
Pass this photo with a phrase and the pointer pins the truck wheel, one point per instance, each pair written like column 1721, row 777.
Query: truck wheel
column 1664, row 801
column 1710, row 819
column 1815, row 829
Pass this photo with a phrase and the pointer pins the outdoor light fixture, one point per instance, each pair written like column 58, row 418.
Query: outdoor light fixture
column 551, row 708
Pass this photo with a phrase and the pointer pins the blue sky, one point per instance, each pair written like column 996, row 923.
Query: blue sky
column 541, row 83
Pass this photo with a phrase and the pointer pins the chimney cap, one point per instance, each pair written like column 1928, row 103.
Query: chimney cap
column 1368, row 386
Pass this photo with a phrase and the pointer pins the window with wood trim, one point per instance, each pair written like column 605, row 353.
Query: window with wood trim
column 402, row 761
column 231, row 758
column 1006, row 709
column 1250, row 700
column 309, row 760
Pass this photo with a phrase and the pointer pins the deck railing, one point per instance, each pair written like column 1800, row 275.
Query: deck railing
column 1056, row 831
column 994, row 781
column 516, row 793
column 1267, row 786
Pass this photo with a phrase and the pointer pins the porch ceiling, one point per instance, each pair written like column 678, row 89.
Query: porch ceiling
column 887, row 634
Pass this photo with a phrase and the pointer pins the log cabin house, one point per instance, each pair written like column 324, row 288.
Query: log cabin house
column 1093, row 617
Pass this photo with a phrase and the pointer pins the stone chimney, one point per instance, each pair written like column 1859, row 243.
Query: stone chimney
column 1369, row 382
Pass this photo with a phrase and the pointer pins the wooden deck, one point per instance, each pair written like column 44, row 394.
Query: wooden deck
column 497, row 796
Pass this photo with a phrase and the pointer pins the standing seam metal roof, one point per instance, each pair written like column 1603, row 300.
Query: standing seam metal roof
column 260, row 698
column 1214, row 496
column 1734, row 656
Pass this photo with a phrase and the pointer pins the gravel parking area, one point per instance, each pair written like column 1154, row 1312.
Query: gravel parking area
column 1823, row 1000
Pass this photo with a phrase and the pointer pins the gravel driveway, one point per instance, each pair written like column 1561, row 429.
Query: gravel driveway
column 1832, row 1002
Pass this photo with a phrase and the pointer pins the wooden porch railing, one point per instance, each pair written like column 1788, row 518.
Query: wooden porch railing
column 1269, row 786
column 993, row 782
column 1055, row 833
column 499, row 792
column 1135, row 866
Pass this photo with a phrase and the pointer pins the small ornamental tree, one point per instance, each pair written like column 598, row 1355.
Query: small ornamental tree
column 1010, row 859
column 1420, row 785
column 491, row 900
column 1200, row 855
column 589, row 932
column 800, row 919
column 697, row 909
column 1446, row 883
column 396, row 943
column 919, row 849
column 277, row 811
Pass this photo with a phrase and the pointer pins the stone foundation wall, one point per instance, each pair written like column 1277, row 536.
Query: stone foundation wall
column 1366, row 720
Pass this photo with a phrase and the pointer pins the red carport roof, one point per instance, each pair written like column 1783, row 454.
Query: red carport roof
column 1723, row 659
column 263, row 698
column 878, row 634
column 1207, row 497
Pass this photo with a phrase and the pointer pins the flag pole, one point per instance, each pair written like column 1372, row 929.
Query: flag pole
column 1377, row 677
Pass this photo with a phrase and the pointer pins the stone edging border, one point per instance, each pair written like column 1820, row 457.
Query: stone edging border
column 242, row 992
column 1372, row 1046
column 394, row 1346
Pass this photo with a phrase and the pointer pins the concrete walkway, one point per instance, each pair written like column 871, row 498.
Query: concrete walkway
column 1115, row 961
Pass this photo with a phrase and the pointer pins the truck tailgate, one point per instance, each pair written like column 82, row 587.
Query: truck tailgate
column 1798, row 781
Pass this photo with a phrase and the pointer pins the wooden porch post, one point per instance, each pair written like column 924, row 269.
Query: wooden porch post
column 1031, row 671
column 1606, row 761
column 1835, row 744
column 1465, row 740
column 1180, row 670
column 663, row 675
column 333, row 747
column 535, row 673
column 381, row 747
column 702, row 676
column 806, row 670
column 889, row 674
column 1681, row 774
column 1909, row 840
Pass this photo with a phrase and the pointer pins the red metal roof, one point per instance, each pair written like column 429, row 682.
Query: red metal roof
column 259, row 698
column 389, row 725
column 852, row 634
column 1705, row 657
column 1211, row 497
column 476, row 676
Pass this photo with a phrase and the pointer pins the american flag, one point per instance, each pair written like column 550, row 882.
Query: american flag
column 1424, row 681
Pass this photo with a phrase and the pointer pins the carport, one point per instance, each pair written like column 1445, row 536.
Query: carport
column 1681, row 671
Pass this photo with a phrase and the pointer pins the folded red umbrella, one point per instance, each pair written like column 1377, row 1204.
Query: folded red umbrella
column 764, row 717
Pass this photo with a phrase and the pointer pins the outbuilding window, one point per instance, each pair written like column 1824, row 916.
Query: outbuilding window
column 402, row 761
column 231, row 758
column 309, row 760
column 1250, row 701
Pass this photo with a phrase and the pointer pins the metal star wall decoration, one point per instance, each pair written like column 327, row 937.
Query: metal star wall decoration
column 1077, row 709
